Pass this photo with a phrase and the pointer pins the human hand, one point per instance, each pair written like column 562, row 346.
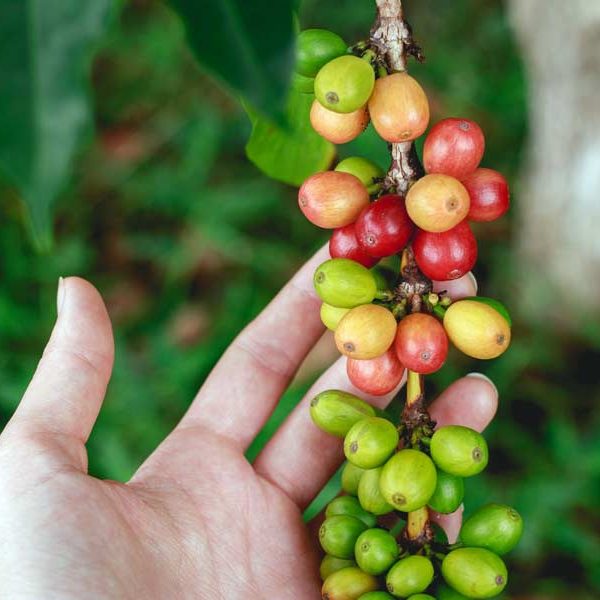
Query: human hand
column 196, row 520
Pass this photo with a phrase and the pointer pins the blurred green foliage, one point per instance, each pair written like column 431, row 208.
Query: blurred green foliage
column 188, row 241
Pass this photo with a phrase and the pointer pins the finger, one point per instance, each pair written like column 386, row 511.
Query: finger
column 300, row 458
column 67, row 389
column 471, row 401
column 244, row 387
column 462, row 287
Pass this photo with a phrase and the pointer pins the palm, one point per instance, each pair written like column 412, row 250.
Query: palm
column 197, row 520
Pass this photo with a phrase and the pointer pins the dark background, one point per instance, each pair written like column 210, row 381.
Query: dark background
column 187, row 241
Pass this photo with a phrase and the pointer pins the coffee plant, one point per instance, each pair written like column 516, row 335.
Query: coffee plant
column 390, row 322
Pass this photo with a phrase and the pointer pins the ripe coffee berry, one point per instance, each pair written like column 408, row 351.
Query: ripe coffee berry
column 377, row 376
column 399, row 108
column 344, row 244
column 383, row 228
column 338, row 128
column 453, row 147
column 421, row 343
column 332, row 199
column 437, row 203
column 489, row 193
column 446, row 255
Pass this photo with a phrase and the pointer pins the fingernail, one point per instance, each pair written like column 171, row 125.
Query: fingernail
column 60, row 294
column 485, row 378
column 474, row 280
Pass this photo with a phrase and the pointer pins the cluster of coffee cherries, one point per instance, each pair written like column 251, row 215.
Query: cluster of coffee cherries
column 394, row 470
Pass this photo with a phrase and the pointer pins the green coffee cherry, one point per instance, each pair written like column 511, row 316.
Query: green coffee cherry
column 332, row 315
column 304, row 85
column 496, row 527
column 459, row 450
column 315, row 48
column 339, row 534
column 348, row 584
column 421, row 597
column 376, row 550
column 449, row 493
column 495, row 304
column 344, row 283
column 443, row 592
column 344, row 84
column 335, row 411
column 409, row 575
column 367, row 171
column 369, row 493
column 376, row 596
column 349, row 505
column 475, row 572
column 370, row 442
column 331, row 564
column 351, row 476
column 408, row 480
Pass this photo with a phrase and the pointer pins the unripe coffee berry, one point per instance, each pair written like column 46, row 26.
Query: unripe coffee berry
column 349, row 505
column 315, row 48
column 331, row 564
column 370, row 442
column 351, row 477
column 344, row 283
column 475, row 572
column 449, row 493
column 336, row 411
column 348, row 584
column 459, row 450
column 409, row 575
column 332, row 315
column 338, row 535
column 369, row 493
column 376, row 550
column 363, row 168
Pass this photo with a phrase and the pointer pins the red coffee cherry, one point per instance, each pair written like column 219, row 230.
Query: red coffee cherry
column 338, row 128
column 332, row 199
column 377, row 376
column 384, row 227
column 446, row 255
column 421, row 343
column 344, row 244
column 489, row 193
column 453, row 147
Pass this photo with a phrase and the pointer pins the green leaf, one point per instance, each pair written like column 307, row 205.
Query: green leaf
column 289, row 153
column 45, row 51
column 247, row 45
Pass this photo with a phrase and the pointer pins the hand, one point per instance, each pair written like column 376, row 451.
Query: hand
column 196, row 520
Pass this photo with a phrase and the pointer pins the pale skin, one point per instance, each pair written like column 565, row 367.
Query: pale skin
column 196, row 520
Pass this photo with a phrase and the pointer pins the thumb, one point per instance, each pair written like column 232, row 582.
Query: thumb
column 68, row 387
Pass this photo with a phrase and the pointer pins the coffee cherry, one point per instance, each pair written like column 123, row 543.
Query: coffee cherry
column 344, row 244
column 367, row 171
column 370, row 442
column 421, row 343
column 453, row 147
column 302, row 84
column 399, row 108
column 409, row 575
column 332, row 199
column 475, row 572
column 377, row 376
column 489, row 193
column 447, row 255
column 335, row 411
column 376, row 596
column 344, row 84
column 496, row 527
column 443, row 592
column 349, row 505
column 315, row 48
column 351, row 476
column 376, row 550
column 383, row 228
column 338, row 128
column 332, row 315
column 408, row 480
column 332, row 564
column 338, row 535
column 348, row 584
column 366, row 332
column 437, row 203
column 495, row 304
column 477, row 329
column 369, row 493
column 344, row 283
column 459, row 450
column 449, row 493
